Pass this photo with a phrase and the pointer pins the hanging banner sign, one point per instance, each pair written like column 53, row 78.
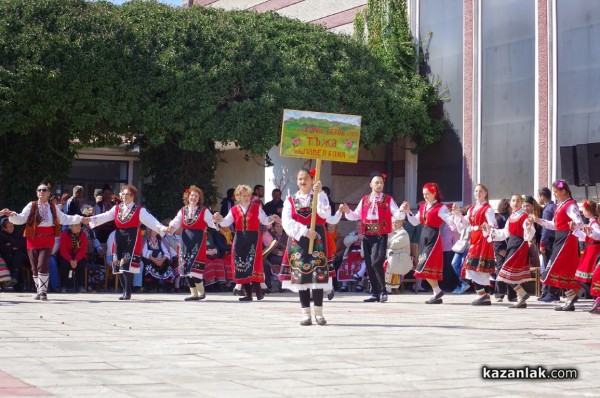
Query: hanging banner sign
column 317, row 135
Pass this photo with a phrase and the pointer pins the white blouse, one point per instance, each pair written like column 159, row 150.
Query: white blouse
column 145, row 217
column 356, row 214
column 444, row 214
column 228, row 219
column 208, row 218
column 297, row 230
column 48, row 221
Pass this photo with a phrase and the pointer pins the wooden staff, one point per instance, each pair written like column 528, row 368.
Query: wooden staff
column 313, row 217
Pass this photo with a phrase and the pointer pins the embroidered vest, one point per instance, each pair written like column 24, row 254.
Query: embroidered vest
column 515, row 227
column 197, row 222
column 383, row 224
column 34, row 219
column 246, row 221
column 131, row 220
column 431, row 217
column 303, row 214
column 561, row 218
column 478, row 218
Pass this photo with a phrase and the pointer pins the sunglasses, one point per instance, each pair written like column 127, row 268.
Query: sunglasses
column 42, row 190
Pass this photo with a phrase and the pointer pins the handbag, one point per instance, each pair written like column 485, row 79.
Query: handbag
column 462, row 243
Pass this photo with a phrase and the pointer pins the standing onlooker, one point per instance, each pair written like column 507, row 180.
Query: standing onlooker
column 13, row 251
column 102, row 231
column 258, row 194
column 549, row 293
column 73, row 206
column 275, row 206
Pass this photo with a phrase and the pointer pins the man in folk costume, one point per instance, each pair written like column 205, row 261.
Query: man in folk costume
column 42, row 220
column 246, row 251
column 128, row 217
column 194, row 218
column 376, row 211
column 563, row 263
column 432, row 214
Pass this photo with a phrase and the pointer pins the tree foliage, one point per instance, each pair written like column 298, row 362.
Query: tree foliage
column 176, row 81
column 384, row 27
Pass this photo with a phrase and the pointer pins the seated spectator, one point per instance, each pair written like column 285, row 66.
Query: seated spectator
column 13, row 249
column 73, row 248
column 335, row 250
column 353, row 265
column 172, row 243
column 398, row 262
column 157, row 265
column 218, row 273
column 95, row 254
column 274, row 243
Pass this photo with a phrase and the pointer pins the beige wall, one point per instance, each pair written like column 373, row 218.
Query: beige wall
column 234, row 170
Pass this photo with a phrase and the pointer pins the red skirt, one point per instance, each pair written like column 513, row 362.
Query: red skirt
column 516, row 267
column 587, row 263
column 480, row 257
column 563, row 263
column 431, row 259
column 595, row 288
column 44, row 238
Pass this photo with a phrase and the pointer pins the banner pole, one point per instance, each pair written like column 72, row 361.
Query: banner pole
column 313, row 217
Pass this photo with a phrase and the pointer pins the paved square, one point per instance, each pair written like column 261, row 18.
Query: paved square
column 158, row 345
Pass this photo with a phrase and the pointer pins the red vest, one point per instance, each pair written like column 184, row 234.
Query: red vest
column 303, row 214
column 479, row 218
column 431, row 218
column 132, row 220
column 561, row 219
column 383, row 224
column 516, row 227
column 197, row 223
column 246, row 221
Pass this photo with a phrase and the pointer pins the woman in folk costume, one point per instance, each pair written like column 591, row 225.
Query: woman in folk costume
column 432, row 214
column 308, row 271
column 591, row 254
column 246, row 252
column 128, row 217
column 42, row 220
column 480, row 261
column 561, row 267
column 194, row 218
column 518, row 230
column 398, row 260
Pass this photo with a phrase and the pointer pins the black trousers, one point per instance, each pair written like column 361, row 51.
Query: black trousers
column 374, row 247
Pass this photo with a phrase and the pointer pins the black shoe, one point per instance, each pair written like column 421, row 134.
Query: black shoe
column 245, row 298
column 343, row 289
column 438, row 295
column 595, row 306
column 202, row 297
column 356, row 277
column 482, row 300
column 372, row 299
column 542, row 297
column 330, row 295
column 43, row 297
column 568, row 306
column 433, row 300
column 191, row 298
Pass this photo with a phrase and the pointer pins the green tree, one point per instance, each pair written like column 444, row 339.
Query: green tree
column 175, row 82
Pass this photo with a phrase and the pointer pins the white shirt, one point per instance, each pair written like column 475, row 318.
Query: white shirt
column 356, row 215
column 146, row 218
column 593, row 231
column 147, row 252
column 208, row 218
column 297, row 230
column 19, row 219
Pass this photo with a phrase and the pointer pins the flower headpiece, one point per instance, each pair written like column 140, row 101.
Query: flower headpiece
column 312, row 172
column 383, row 175
column 187, row 190
column 586, row 204
column 560, row 184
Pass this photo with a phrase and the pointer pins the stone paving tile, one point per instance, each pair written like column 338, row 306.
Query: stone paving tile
column 157, row 345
